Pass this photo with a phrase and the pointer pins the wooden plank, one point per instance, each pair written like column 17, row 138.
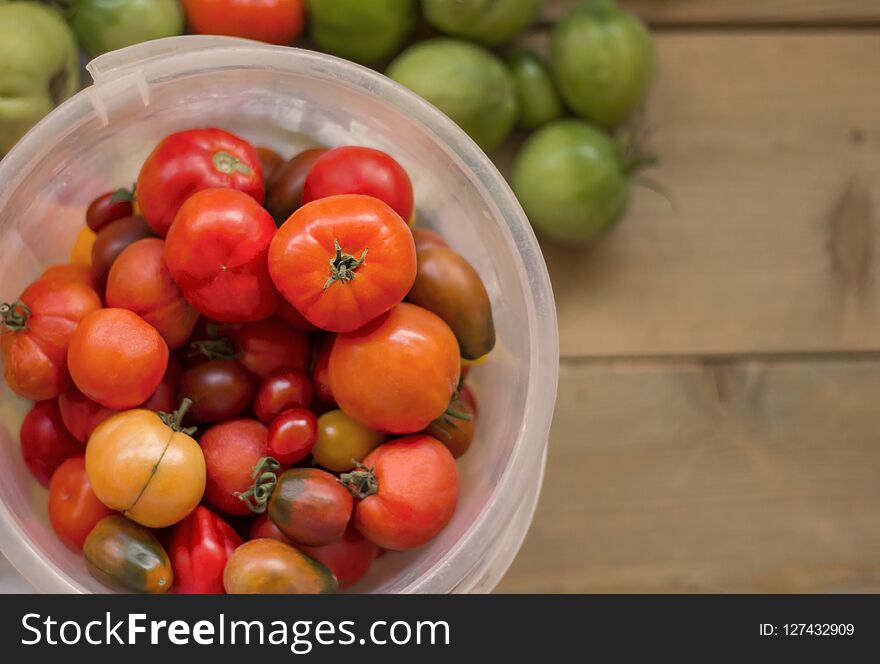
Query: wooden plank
column 739, row 12
column 768, row 143
column 719, row 477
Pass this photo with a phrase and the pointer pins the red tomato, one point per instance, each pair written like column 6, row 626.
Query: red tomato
column 270, row 161
column 74, row 509
column 200, row 546
column 288, row 313
column 271, row 21
column 45, row 443
column 409, row 489
column 72, row 272
column 280, row 391
column 219, row 390
column 268, row 346
column 310, row 506
column 164, row 399
column 109, row 207
column 398, row 373
column 321, row 372
column 263, row 528
column 190, row 161
column 139, row 280
column 292, row 435
column 35, row 332
column 116, row 358
column 80, row 414
column 232, row 450
column 357, row 170
column 343, row 260
column 216, row 251
column 348, row 558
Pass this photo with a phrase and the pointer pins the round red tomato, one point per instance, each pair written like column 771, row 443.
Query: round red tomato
column 271, row 21
column 45, row 442
column 408, row 489
column 139, row 280
column 349, row 558
column 219, row 390
column 216, row 251
column 398, row 373
column 343, row 260
column 74, row 509
column 35, row 332
column 292, row 435
column 358, row 170
column 116, row 358
column 80, row 414
column 232, row 451
column 190, row 161
column 109, row 207
column 280, row 391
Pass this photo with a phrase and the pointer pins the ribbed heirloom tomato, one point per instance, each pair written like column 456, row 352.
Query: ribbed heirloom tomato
column 190, row 161
column 116, row 358
column 35, row 332
column 216, row 251
column 398, row 373
column 139, row 280
column 343, row 260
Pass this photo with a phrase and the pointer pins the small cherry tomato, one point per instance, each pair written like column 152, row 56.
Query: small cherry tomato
column 190, row 161
column 109, row 207
column 147, row 466
column 83, row 246
column 233, row 450
column 310, row 506
column 270, row 161
column 455, row 428
column 113, row 239
column 342, row 442
column 321, row 372
column 408, row 490
column 165, row 397
column 266, row 566
column 398, row 373
column 139, row 280
column 292, row 435
column 127, row 557
column 71, row 272
column 200, row 547
column 216, row 251
column 286, row 189
column 280, row 391
column 35, row 332
column 269, row 346
column 358, row 170
column 271, row 21
column 219, row 390
column 349, row 558
column 425, row 238
column 80, row 414
column 343, row 260
column 45, row 443
column 116, row 358
column 74, row 509
column 262, row 527
column 450, row 287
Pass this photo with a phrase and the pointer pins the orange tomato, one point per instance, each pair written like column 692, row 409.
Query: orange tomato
column 398, row 373
column 116, row 358
column 264, row 566
column 81, row 254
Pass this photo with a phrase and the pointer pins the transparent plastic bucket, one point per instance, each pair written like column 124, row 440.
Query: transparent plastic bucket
column 289, row 99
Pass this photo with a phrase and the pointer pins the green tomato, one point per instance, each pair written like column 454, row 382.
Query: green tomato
column 571, row 181
column 539, row 102
column 465, row 81
column 105, row 25
column 491, row 22
column 603, row 61
column 40, row 67
column 366, row 31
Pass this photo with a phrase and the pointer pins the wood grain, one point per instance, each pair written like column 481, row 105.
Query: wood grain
column 768, row 144
column 739, row 12
column 709, row 477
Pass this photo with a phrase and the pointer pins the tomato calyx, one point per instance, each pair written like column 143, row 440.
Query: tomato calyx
column 220, row 348
column 361, row 481
column 228, row 163
column 175, row 420
column 123, row 195
column 343, row 265
column 265, row 478
column 14, row 316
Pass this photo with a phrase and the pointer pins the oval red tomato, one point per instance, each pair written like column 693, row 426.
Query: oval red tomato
column 292, row 435
column 200, row 546
column 74, row 509
column 190, row 161
column 45, row 442
column 280, row 391
column 216, row 251
column 108, row 207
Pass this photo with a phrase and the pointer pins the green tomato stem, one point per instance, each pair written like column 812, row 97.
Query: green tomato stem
column 14, row 316
column 265, row 478
column 343, row 265
column 361, row 482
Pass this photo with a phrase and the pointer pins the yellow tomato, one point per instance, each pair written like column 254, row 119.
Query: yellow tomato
column 341, row 439
column 147, row 467
column 82, row 247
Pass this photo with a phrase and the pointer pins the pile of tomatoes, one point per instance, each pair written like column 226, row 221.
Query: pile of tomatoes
column 249, row 378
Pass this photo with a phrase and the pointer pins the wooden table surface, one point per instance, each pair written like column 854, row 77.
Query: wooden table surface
column 718, row 421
